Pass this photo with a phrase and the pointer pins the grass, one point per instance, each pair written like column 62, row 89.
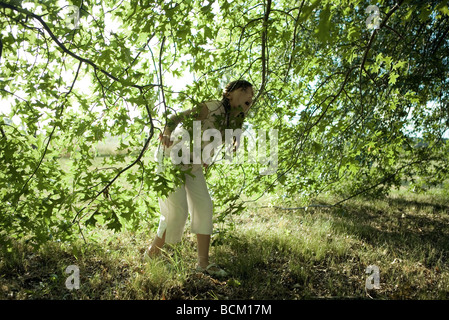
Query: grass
column 271, row 254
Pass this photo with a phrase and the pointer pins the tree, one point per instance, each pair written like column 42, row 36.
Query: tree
column 348, row 101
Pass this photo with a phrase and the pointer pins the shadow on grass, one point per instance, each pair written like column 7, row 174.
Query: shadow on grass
column 408, row 226
column 280, row 266
column 265, row 264
column 406, row 238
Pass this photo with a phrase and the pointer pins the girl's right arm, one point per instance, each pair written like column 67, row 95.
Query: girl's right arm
column 199, row 112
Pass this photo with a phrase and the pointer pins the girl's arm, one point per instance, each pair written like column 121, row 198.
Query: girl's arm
column 200, row 112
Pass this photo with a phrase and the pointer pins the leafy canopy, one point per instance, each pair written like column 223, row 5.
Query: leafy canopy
column 358, row 110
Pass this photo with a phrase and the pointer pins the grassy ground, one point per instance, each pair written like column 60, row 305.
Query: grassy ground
column 271, row 254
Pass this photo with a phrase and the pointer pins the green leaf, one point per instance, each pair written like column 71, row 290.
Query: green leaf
column 323, row 30
column 114, row 222
column 393, row 76
column 91, row 222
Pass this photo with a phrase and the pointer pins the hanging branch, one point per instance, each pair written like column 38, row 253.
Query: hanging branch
column 1, row 49
column 264, row 56
column 359, row 192
column 306, row 133
column 58, row 115
column 3, row 132
column 64, row 48
column 137, row 160
column 368, row 47
column 290, row 60
column 373, row 36
column 161, row 78
column 96, row 68
column 264, row 46
column 299, row 208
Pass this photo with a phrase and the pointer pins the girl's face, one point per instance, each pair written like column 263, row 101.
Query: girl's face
column 241, row 99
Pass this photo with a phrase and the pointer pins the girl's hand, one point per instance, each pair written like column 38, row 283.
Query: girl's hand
column 236, row 144
column 165, row 140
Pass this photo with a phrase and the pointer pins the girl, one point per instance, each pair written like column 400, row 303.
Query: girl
column 193, row 196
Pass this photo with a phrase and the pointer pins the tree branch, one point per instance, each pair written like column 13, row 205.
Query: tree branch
column 294, row 40
column 299, row 208
column 1, row 49
column 96, row 67
column 58, row 115
column 371, row 40
column 3, row 132
column 142, row 152
column 385, row 179
column 64, row 48
column 264, row 50
column 307, row 130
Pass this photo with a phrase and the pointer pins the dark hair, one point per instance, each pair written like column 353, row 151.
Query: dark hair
column 231, row 86
column 235, row 85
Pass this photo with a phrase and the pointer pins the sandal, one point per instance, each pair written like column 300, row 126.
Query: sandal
column 210, row 270
column 147, row 257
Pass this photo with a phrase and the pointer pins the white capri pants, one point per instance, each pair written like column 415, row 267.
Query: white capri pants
column 193, row 196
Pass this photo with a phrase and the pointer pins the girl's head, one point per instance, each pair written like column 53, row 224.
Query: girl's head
column 238, row 95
